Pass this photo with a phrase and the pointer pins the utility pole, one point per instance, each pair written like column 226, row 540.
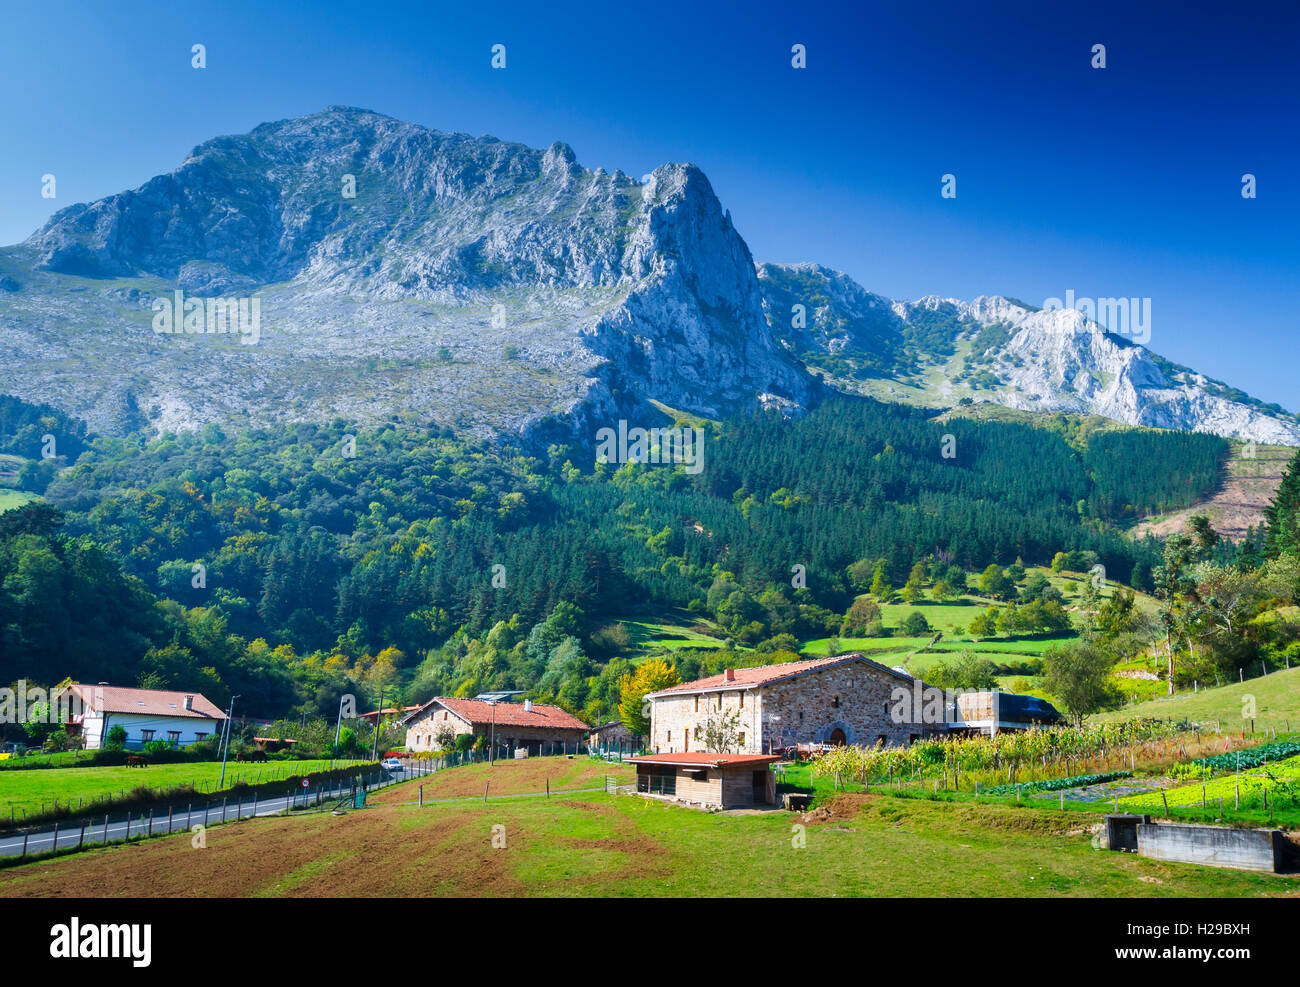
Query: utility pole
column 225, row 747
column 492, row 744
column 379, row 716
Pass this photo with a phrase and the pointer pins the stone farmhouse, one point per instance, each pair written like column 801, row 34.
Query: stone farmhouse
column 847, row 699
column 520, row 726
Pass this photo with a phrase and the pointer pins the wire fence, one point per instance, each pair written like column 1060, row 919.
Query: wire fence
column 178, row 816
column 1257, row 669
column 241, row 776
column 171, row 816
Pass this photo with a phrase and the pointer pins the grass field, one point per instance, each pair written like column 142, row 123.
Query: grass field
column 666, row 635
column 623, row 845
column 1276, row 700
column 9, row 499
column 29, row 790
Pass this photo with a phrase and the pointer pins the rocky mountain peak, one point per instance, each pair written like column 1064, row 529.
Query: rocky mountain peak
column 366, row 239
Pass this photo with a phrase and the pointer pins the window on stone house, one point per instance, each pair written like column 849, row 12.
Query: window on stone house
column 697, row 704
column 836, row 702
column 742, row 700
column 146, row 735
column 719, row 700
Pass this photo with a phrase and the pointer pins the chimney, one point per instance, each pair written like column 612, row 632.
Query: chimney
column 189, row 702
column 730, row 675
column 528, row 705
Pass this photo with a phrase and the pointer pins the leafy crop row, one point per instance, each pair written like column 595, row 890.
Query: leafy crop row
column 1056, row 784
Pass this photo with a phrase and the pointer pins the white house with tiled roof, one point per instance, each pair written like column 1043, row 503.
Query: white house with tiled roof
column 847, row 699
column 146, row 714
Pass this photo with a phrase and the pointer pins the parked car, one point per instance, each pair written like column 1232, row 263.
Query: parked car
column 392, row 764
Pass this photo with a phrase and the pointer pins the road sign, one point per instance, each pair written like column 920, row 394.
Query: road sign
column 306, row 783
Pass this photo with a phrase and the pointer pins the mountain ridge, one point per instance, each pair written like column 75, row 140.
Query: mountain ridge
column 496, row 287
column 1002, row 350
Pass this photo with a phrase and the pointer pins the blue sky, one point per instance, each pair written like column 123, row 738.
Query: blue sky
column 1124, row 181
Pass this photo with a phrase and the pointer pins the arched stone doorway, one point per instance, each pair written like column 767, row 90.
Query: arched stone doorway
column 836, row 732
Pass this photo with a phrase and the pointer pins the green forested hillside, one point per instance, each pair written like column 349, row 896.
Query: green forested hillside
column 296, row 567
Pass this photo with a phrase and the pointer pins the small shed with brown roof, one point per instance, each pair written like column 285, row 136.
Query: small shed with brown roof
column 715, row 780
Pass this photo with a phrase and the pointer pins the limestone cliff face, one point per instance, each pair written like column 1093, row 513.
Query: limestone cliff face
column 1004, row 351
column 491, row 284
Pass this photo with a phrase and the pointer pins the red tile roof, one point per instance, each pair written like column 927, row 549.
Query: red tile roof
column 749, row 678
column 145, row 702
column 387, row 711
column 476, row 711
column 704, row 758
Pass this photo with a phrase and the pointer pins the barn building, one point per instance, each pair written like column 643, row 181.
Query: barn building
column 519, row 726
column 996, row 712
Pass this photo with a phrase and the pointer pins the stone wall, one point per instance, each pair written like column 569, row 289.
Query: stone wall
column 855, row 699
column 421, row 733
column 677, row 721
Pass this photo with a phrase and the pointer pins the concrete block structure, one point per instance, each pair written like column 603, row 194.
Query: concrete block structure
column 1214, row 846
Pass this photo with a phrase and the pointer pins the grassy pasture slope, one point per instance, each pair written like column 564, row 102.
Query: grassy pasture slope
column 1276, row 700
column 597, row 844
